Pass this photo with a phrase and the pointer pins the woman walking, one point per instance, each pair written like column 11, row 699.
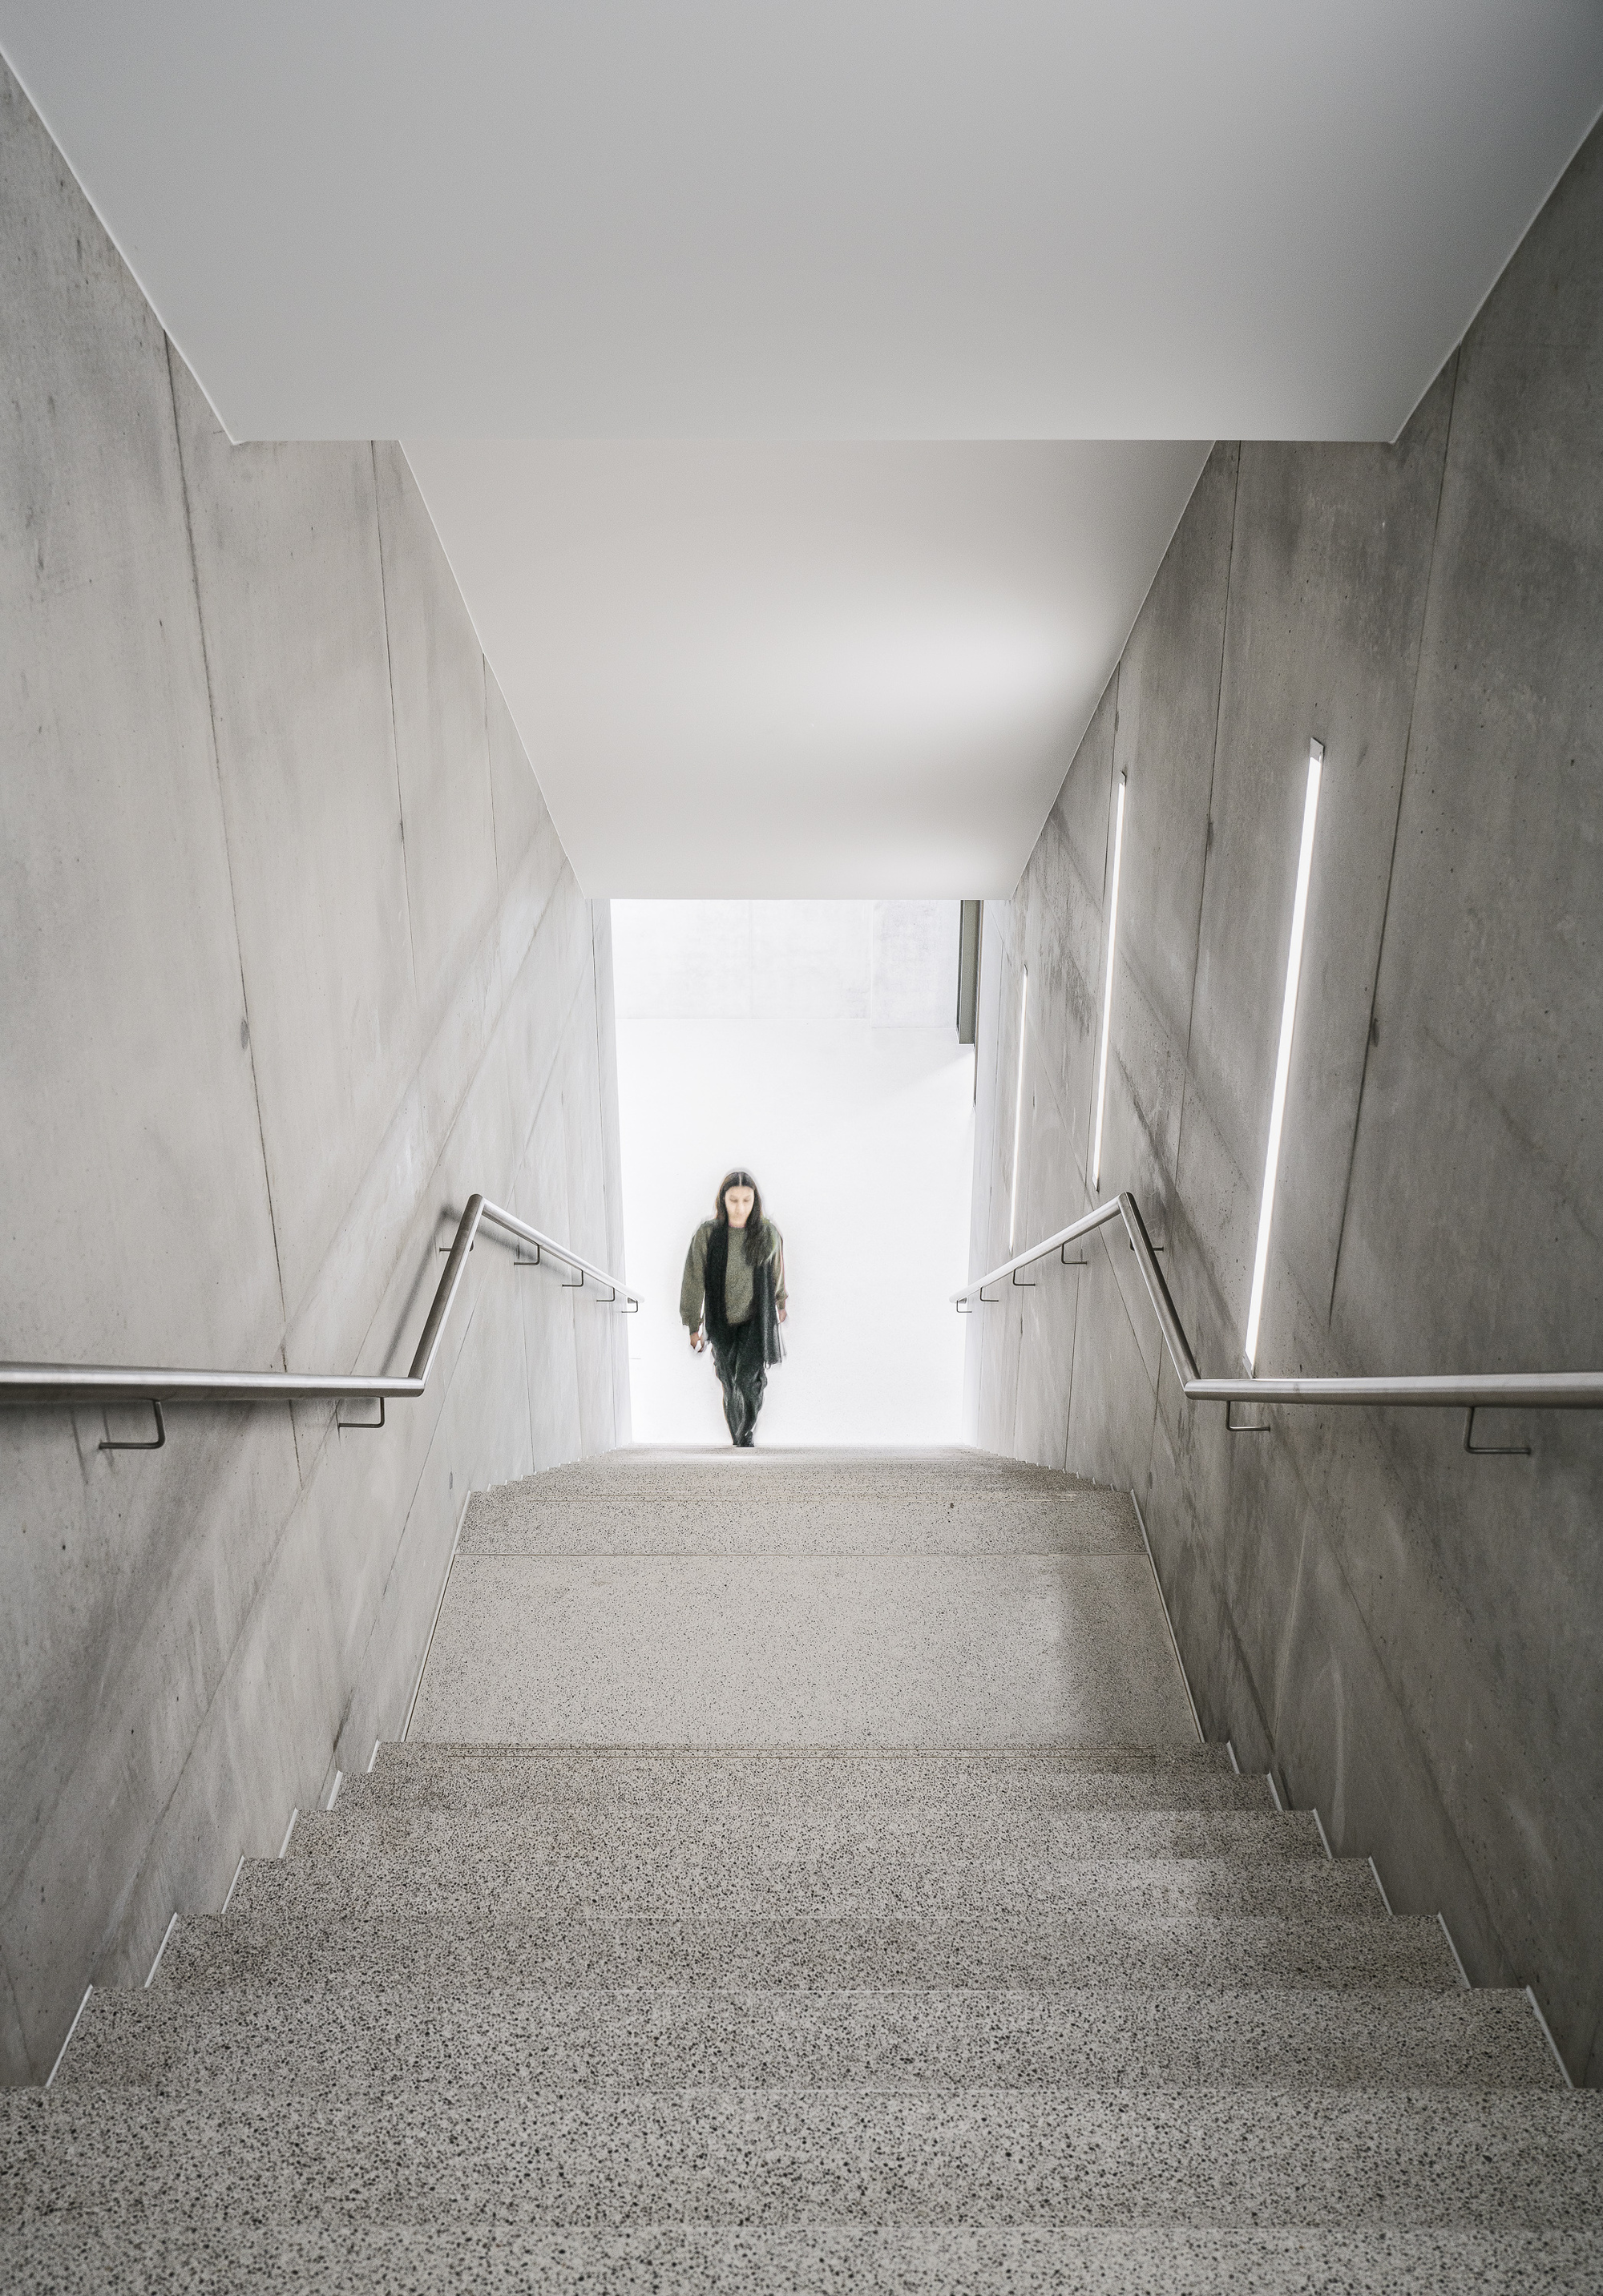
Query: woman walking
column 734, row 1272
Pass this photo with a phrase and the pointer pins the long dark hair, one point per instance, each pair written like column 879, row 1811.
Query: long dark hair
column 752, row 1239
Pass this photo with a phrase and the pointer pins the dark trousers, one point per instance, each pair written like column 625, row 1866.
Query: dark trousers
column 745, row 1376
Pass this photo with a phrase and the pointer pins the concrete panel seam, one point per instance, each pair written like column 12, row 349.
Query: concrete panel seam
column 161, row 1949
column 217, row 768
column 1547, row 2036
column 1386, row 905
column 400, row 800
column 1112, row 747
column 1202, row 890
column 537, row 1105
column 1169, row 1623
column 494, row 841
column 433, row 1624
column 72, row 2028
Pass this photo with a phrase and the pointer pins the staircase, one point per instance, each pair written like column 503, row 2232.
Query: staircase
column 781, row 1965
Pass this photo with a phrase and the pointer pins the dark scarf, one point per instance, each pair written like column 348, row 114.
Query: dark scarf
column 765, row 1313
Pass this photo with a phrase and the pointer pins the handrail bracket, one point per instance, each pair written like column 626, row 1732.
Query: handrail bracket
column 1490, row 1450
column 159, row 1443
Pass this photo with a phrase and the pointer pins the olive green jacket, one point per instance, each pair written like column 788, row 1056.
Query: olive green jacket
column 737, row 1274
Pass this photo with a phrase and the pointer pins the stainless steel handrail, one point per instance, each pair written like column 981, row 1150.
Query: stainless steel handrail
column 1471, row 1391
column 44, row 1383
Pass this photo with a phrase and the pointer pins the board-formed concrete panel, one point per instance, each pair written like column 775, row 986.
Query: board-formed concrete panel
column 288, row 571
column 437, row 703
column 1408, row 1635
column 249, row 1083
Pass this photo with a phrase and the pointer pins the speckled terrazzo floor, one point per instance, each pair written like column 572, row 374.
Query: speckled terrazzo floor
column 53, row 2260
column 775, row 2008
column 771, row 1599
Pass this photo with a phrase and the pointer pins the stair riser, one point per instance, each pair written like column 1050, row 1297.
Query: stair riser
column 76, row 2258
column 980, row 2158
column 1219, row 1890
column 565, row 1952
column 321, row 1893
column 1043, row 1848
column 350, row 2040
column 875, row 1799
column 1001, row 1523
column 923, row 1774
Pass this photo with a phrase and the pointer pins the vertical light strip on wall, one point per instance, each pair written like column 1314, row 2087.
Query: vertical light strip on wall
column 1018, row 1109
column 1288, row 1013
column 1107, row 986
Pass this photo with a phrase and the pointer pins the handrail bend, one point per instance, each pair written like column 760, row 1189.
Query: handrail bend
column 45, row 1383
column 1471, row 1391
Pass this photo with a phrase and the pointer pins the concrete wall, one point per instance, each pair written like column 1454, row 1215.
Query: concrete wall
column 1409, row 1636
column 291, row 961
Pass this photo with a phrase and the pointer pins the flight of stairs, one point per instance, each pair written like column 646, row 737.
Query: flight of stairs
column 896, row 2018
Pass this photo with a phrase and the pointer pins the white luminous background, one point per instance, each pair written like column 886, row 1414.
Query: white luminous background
column 814, row 1042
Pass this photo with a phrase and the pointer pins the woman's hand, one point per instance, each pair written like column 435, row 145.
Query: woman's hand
column 782, row 1312
column 698, row 1340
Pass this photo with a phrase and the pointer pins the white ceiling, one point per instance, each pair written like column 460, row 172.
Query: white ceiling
column 855, row 670
column 814, row 218
column 749, row 220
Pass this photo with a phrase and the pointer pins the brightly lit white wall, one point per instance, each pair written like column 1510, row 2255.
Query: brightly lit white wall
column 815, row 1042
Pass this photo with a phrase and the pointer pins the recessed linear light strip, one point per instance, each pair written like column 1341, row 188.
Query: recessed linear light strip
column 1107, row 986
column 1018, row 1109
column 1288, row 1014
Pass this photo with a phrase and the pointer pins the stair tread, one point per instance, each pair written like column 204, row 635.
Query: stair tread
column 1217, row 1888
column 980, row 2156
column 346, row 2035
column 71, row 2257
column 744, row 1951
column 516, row 1519
column 810, row 1792
column 1083, row 1895
column 926, row 1768
column 713, row 1836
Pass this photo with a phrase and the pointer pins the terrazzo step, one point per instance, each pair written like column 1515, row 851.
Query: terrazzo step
column 978, row 2157
column 73, row 2258
column 775, row 1461
column 859, row 1788
column 513, row 1520
column 657, row 1883
column 362, row 1889
column 1131, row 1814
column 739, row 1953
column 778, row 1471
column 344, row 2037
column 435, row 1770
column 1243, row 1823
column 767, row 1650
